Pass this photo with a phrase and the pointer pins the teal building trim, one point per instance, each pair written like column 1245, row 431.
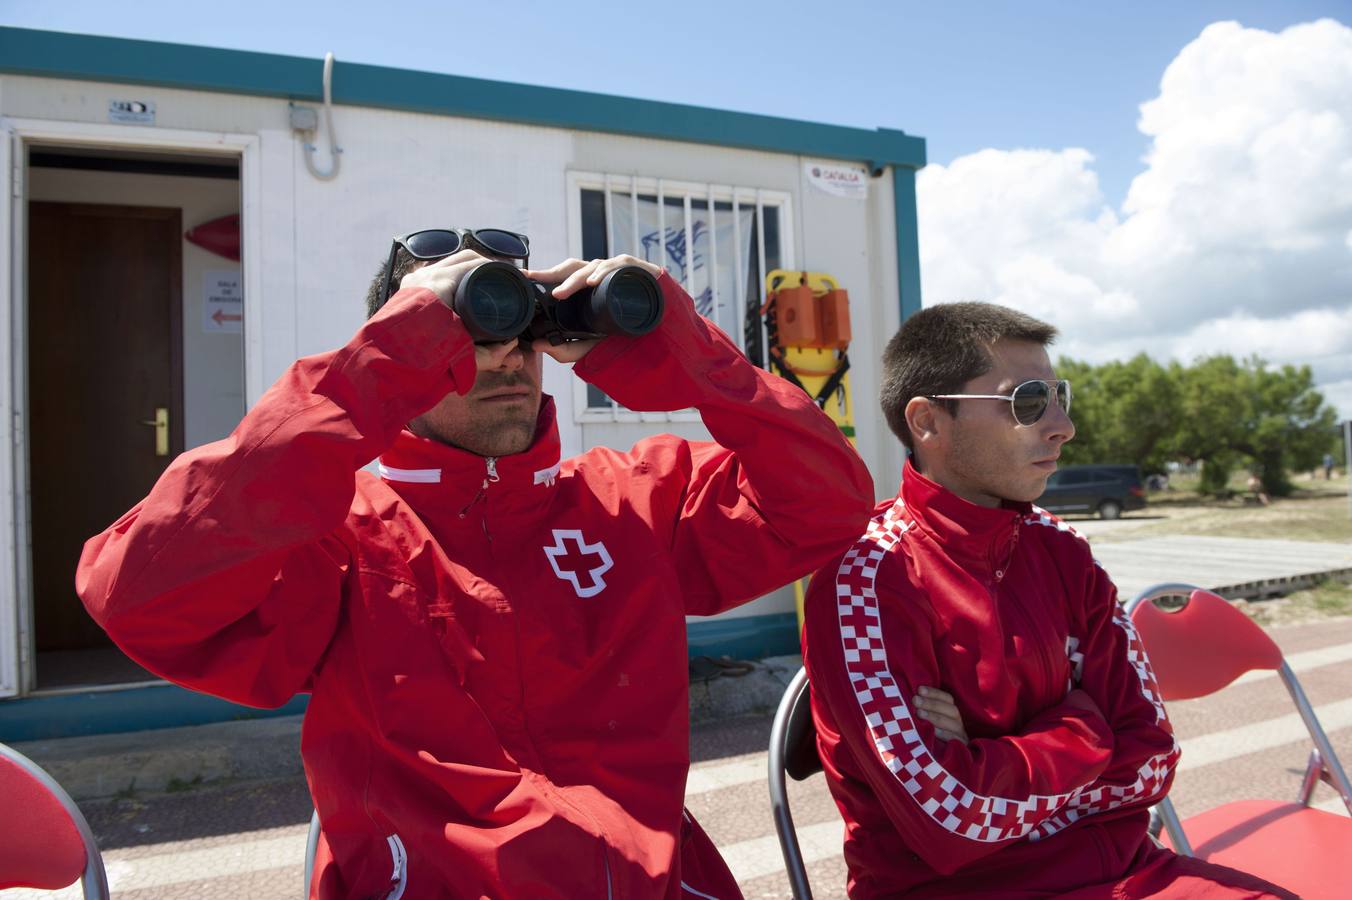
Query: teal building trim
column 908, row 241
column 747, row 637
column 90, row 58
column 131, row 709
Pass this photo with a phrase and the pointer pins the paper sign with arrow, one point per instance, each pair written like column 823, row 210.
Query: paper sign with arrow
column 223, row 303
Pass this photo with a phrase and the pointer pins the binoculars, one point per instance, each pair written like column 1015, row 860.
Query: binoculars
column 497, row 303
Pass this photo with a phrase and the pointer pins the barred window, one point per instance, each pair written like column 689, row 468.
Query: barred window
column 716, row 240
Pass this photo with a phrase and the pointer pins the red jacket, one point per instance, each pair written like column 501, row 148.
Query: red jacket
column 495, row 648
column 1069, row 743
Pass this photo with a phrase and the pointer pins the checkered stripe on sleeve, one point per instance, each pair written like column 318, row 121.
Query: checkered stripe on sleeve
column 947, row 801
column 1153, row 773
column 1040, row 516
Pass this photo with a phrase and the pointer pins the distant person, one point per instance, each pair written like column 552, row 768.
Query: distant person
column 988, row 722
column 1255, row 487
column 493, row 636
column 1328, row 466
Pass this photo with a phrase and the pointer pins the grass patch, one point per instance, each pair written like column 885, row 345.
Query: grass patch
column 1308, row 517
column 1331, row 599
column 179, row 786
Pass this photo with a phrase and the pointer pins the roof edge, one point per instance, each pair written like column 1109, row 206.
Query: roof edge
column 82, row 57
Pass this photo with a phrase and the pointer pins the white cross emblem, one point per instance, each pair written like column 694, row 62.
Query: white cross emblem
column 580, row 563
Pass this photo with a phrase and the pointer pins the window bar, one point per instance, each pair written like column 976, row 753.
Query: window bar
column 739, row 285
column 689, row 284
column 760, row 281
column 661, row 225
column 717, row 309
column 636, row 248
column 610, row 251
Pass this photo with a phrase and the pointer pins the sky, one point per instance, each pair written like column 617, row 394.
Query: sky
column 1158, row 176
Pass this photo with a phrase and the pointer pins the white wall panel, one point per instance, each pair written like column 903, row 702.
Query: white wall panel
column 278, row 342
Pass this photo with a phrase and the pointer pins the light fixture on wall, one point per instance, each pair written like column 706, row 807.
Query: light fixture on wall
column 305, row 121
column 220, row 236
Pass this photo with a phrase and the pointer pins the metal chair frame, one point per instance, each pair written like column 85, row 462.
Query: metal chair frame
column 311, row 848
column 792, row 736
column 94, row 879
column 1323, row 764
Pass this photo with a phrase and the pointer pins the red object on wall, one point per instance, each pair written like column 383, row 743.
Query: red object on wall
column 220, row 236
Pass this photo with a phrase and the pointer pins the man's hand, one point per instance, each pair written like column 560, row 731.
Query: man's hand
column 443, row 276
column 569, row 277
column 937, row 708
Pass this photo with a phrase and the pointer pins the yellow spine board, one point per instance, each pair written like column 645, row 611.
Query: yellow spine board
column 806, row 360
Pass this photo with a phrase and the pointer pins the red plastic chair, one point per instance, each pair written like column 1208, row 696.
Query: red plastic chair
column 1198, row 650
column 45, row 841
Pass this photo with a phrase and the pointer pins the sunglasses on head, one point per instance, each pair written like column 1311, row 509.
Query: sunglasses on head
column 437, row 243
column 1028, row 401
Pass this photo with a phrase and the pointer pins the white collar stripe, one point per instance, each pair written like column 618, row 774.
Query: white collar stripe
column 416, row 476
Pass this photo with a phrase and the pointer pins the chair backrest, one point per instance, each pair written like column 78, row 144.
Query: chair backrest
column 793, row 751
column 1205, row 646
column 1202, row 647
column 45, row 841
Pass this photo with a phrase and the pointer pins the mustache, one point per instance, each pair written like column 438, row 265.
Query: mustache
column 494, row 381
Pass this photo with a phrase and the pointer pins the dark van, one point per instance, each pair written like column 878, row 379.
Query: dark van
column 1108, row 490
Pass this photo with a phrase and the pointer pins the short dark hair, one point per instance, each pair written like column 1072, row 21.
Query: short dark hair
column 404, row 262
column 940, row 349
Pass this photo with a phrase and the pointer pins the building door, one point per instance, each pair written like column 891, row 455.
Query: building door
column 104, row 358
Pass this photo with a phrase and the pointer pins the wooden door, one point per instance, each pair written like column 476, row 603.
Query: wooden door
column 104, row 352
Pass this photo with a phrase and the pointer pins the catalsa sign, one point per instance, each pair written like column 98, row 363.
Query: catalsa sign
column 838, row 180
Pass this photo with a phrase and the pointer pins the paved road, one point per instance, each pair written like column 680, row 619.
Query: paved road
column 1235, row 566
column 248, row 840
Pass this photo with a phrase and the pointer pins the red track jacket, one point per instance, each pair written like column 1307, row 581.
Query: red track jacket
column 1069, row 743
column 495, row 648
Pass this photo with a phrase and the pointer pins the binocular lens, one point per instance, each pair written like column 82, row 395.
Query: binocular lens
column 495, row 301
column 634, row 301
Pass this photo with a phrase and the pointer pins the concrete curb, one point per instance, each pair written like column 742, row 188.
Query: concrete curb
column 170, row 759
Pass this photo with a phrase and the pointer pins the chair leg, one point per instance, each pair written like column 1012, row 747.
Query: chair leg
column 1175, row 827
column 1156, row 822
column 1314, row 773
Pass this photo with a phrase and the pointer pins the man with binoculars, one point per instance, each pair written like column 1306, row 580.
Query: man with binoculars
column 493, row 638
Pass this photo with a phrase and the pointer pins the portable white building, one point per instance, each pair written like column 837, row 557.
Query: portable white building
column 121, row 332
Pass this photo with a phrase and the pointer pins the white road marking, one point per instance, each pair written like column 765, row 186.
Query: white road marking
column 760, row 856
column 1302, row 662
column 1219, row 746
column 181, row 866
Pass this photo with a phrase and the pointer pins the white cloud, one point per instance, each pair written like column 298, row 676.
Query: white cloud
column 1235, row 238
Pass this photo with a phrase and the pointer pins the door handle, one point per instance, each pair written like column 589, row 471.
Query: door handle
column 161, row 425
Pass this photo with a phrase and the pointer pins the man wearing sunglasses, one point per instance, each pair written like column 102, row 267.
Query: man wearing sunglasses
column 987, row 720
column 493, row 637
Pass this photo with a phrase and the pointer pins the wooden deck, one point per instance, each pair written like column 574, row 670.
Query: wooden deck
column 1233, row 567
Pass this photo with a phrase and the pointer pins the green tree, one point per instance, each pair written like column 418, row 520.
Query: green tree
column 1291, row 426
column 1213, row 404
column 1231, row 410
column 1123, row 411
